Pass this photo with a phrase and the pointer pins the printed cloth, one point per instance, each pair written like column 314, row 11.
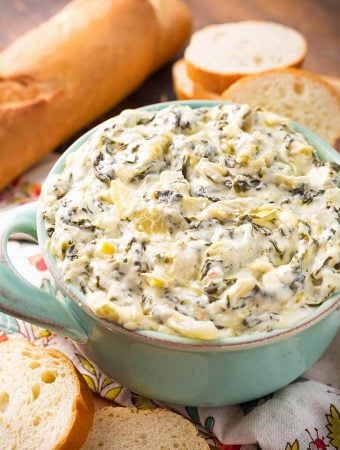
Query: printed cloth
column 302, row 416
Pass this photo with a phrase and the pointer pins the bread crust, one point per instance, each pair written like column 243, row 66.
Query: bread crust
column 218, row 82
column 83, row 410
column 333, row 81
column 85, row 59
column 171, row 14
column 185, row 88
column 215, row 82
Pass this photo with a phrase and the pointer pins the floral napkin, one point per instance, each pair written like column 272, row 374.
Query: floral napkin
column 302, row 416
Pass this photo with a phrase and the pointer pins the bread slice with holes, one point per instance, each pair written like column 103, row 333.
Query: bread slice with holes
column 299, row 95
column 185, row 88
column 118, row 428
column 44, row 402
column 218, row 55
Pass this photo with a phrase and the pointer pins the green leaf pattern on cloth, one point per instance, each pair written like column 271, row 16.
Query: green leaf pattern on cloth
column 333, row 426
column 294, row 446
column 96, row 380
column 141, row 402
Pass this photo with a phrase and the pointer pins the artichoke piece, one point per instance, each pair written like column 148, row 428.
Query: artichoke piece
column 149, row 221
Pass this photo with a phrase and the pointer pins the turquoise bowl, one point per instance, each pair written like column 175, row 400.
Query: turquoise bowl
column 160, row 366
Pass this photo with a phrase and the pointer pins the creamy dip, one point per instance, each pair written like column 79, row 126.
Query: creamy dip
column 204, row 222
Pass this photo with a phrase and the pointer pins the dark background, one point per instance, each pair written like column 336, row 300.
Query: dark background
column 318, row 20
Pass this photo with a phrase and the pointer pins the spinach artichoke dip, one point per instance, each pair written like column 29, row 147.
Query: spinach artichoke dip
column 204, row 223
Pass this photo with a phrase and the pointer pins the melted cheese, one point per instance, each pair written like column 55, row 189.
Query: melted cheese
column 202, row 222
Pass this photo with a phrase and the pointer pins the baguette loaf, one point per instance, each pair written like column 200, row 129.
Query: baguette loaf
column 58, row 77
column 131, row 429
column 45, row 404
column 297, row 94
column 218, row 55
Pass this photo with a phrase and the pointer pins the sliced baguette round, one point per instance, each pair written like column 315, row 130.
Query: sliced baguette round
column 118, row 428
column 185, row 88
column 218, row 55
column 44, row 402
column 299, row 95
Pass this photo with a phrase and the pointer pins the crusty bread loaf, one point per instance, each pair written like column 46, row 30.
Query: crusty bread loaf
column 297, row 94
column 185, row 88
column 129, row 428
column 44, row 403
column 58, row 77
column 174, row 27
column 220, row 54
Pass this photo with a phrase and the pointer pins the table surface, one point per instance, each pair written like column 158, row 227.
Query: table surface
column 318, row 20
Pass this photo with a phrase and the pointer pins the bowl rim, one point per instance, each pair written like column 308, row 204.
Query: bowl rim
column 243, row 341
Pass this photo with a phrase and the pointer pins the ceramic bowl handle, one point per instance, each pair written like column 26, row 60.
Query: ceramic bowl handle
column 20, row 298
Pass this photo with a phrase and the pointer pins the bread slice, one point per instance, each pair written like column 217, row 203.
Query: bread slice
column 218, row 55
column 185, row 88
column 299, row 95
column 44, row 403
column 129, row 428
